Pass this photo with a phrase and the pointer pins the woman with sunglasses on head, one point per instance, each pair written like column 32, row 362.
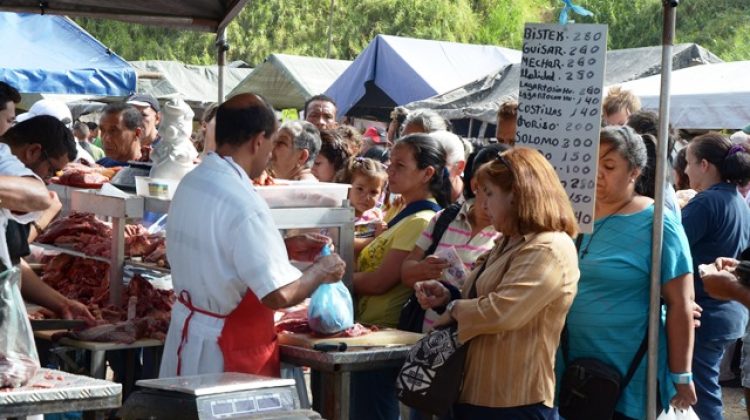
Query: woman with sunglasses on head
column 512, row 307
column 609, row 317
column 717, row 223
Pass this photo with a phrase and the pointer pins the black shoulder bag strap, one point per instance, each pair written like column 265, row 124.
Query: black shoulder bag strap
column 638, row 354
column 441, row 225
column 412, row 208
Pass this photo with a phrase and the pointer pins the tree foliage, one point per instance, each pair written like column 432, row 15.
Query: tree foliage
column 278, row 26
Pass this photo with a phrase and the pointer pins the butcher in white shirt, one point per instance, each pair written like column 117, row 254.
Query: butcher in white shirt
column 230, row 265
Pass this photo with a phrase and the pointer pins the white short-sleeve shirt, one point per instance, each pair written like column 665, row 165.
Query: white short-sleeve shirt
column 11, row 166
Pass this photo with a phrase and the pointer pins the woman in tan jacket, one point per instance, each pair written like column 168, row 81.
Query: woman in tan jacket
column 524, row 289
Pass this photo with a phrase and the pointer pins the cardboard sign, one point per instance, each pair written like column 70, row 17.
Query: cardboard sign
column 560, row 103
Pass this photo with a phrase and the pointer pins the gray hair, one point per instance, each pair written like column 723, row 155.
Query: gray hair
column 454, row 147
column 430, row 120
column 627, row 143
column 305, row 136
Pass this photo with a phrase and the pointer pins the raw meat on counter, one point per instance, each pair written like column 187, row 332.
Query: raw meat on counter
column 80, row 175
column 16, row 370
column 302, row 326
column 87, row 281
column 85, row 233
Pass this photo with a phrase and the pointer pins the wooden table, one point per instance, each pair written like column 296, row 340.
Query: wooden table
column 335, row 368
column 98, row 364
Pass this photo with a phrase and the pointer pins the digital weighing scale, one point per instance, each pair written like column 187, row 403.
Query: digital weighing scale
column 215, row 396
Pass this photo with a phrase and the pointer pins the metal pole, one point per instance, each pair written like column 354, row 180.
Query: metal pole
column 330, row 29
column 654, row 320
column 221, row 57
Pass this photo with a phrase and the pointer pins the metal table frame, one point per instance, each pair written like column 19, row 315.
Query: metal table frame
column 335, row 371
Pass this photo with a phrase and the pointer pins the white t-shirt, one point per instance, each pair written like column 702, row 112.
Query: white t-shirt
column 221, row 241
column 11, row 166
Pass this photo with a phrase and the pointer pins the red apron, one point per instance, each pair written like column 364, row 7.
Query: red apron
column 248, row 340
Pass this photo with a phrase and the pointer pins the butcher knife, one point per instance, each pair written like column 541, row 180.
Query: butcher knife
column 341, row 346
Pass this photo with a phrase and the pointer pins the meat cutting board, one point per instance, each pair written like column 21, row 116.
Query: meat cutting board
column 384, row 337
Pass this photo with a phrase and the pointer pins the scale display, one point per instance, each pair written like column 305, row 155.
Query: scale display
column 227, row 408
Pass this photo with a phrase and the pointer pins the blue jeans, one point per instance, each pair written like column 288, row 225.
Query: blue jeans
column 706, row 365
column 525, row 412
column 373, row 395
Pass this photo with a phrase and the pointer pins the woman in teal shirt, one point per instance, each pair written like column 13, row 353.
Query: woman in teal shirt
column 609, row 317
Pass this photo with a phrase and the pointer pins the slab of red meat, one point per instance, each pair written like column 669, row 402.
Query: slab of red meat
column 294, row 325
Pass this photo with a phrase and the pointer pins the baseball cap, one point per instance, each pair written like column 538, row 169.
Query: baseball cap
column 49, row 107
column 377, row 135
column 143, row 100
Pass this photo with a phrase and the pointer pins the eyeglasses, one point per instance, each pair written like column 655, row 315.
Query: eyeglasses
column 52, row 170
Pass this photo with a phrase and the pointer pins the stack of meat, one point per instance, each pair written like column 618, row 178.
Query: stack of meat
column 85, row 233
column 295, row 321
column 143, row 313
column 80, row 175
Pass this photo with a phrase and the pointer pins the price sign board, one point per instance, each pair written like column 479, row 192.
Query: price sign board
column 560, row 102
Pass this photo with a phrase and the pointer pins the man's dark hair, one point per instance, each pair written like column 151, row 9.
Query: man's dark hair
column 92, row 125
column 8, row 94
column 243, row 117
column 54, row 137
column 131, row 117
column 322, row 98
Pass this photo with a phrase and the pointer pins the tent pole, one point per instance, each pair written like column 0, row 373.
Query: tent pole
column 668, row 31
column 330, row 29
column 221, row 56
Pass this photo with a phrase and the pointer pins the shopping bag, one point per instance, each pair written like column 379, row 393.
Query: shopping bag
column 677, row 414
column 18, row 358
column 331, row 309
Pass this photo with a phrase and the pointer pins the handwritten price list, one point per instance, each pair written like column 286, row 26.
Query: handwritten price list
column 559, row 112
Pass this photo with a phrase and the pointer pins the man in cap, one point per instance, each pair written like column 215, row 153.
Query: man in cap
column 150, row 110
column 59, row 110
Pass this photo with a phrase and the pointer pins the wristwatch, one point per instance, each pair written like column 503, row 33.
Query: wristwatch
column 449, row 308
column 682, row 378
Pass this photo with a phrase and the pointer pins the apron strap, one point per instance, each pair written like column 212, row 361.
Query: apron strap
column 184, row 299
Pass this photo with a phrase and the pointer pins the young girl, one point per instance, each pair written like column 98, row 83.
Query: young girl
column 367, row 178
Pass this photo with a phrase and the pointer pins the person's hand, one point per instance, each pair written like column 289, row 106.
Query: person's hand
column 56, row 204
column 728, row 264
column 721, row 285
column 443, row 320
column 697, row 312
column 306, row 247
column 331, row 268
column 685, row 396
column 431, row 294
column 380, row 227
column 73, row 309
column 432, row 267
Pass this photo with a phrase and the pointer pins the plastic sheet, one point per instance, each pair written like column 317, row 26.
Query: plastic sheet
column 18, row 358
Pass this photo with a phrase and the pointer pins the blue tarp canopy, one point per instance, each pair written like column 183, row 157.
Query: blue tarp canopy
column 395, row 71
column 51, row 54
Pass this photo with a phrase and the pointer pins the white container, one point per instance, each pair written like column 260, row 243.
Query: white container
column 291, row 194
column 155, row 187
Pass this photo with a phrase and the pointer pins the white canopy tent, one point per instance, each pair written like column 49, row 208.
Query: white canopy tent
column 711, row 96
column 288, row 80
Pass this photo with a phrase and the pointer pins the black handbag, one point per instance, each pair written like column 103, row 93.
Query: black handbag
column 591, row 388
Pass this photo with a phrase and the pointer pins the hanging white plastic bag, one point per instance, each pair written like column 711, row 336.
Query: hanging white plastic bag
column 678, row 414
column 18, row 358
column 331, row 309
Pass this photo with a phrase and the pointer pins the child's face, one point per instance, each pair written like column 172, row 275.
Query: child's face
column 365, row 192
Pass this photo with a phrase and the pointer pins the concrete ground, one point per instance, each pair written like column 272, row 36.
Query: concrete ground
column 734, row 406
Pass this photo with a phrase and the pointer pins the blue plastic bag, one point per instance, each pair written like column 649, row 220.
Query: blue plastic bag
column 331, row 309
